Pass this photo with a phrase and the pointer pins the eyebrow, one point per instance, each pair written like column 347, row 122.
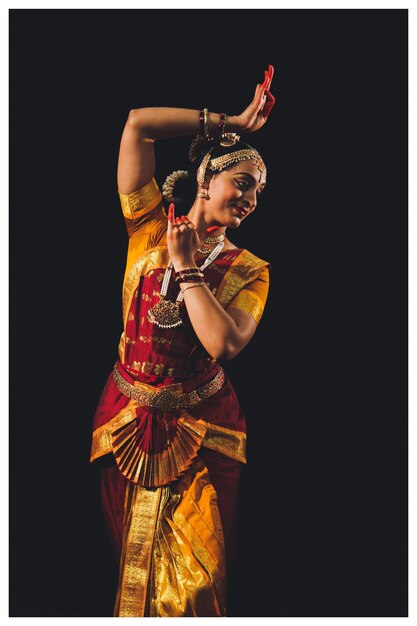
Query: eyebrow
column 252, row 177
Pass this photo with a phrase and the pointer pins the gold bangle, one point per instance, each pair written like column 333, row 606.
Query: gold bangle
column 206, row 131
column 193, row 285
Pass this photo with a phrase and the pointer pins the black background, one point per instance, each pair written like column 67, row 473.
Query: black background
column 323, row 509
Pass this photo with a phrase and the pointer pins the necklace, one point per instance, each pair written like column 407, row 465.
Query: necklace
column 209, row 240
column 165, row 313
column 215, row 238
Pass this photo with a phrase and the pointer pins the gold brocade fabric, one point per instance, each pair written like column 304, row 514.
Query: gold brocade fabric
column 155, row 470
column 231, row 443
column 173, row 553
column 252, row 297
column 140, row 518
column 145, row 220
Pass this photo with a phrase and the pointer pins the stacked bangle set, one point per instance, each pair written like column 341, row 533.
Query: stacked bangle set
column 190, row 275
column 204, row 124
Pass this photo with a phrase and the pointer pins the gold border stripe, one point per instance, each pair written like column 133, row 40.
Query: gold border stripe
column 231, row 443
column 227, row 441
column 135, row 561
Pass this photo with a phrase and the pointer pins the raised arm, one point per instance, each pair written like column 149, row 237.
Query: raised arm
column 143, row 127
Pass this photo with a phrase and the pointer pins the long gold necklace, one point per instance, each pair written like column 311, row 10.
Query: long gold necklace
column 165, row 313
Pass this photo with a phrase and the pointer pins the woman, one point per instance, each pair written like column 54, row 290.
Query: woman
column 168, row 429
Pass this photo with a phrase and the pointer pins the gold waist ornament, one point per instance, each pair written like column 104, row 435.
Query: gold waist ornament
column 169, row 397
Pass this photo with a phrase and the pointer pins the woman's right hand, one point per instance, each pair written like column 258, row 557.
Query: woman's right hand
column 256, row 114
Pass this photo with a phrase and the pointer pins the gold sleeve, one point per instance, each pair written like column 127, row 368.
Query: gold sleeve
column 252, row 297
column 145, row 219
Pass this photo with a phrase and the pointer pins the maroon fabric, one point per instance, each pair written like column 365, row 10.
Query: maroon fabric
column 222, row 408
column 173, row 353
column 111, row 402
column 113, row 487
column 224, row 475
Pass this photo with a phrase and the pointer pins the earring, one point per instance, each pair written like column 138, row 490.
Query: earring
column 203, row 194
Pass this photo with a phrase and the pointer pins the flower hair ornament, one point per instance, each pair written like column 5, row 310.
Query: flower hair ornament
column 169, row 184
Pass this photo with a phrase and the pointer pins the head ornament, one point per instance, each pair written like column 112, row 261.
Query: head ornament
column 219, row 163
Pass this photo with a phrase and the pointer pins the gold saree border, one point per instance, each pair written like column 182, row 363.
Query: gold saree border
column 231, row 443
column 141, row 514
column 102, row 436
column 142, row 200
column 244, row 269
column 250, row 303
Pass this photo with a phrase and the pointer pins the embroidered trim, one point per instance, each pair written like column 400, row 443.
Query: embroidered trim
column 163, row 398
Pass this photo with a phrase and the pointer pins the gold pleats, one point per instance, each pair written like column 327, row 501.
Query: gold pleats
column 118, row 436
column 173, row 554
column 160, row 468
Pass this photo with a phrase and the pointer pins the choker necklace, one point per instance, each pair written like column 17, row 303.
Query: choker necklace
column 209, row 240
column 215, row 238
column 165, row 313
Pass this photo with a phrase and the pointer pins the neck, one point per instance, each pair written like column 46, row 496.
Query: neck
column 196, row 216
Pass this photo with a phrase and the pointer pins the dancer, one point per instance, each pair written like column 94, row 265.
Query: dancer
column 168, row 430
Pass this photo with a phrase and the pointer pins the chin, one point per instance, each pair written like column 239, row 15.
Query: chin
column 235, row 222
column 229, row 220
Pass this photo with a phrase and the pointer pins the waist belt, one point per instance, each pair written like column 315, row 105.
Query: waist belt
column 170, row 396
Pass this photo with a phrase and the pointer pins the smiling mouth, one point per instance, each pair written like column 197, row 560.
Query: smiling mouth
column 242, row 212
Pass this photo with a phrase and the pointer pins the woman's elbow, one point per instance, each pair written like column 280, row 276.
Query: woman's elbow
column 134, row 119
column 227, row 351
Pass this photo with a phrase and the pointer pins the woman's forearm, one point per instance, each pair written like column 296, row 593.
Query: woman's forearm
column 216, row 330
column 167, row 123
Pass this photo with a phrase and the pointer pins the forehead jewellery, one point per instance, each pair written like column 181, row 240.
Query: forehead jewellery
column 218, row 164
column 165, row 313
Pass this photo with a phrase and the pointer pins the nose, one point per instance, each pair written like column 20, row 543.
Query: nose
column 252, row 201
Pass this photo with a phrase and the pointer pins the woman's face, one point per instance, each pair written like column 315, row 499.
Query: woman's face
column 234, row 194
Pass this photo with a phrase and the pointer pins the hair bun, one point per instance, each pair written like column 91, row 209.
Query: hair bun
column 196, row 146
column 169, row 184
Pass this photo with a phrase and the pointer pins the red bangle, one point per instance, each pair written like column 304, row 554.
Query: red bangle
column 202, row 122
column 222, row 124
column 190, row 278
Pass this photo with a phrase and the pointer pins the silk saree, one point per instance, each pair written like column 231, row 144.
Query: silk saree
column 169, row 432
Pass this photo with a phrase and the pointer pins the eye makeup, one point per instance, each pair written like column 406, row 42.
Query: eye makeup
column 252, row 179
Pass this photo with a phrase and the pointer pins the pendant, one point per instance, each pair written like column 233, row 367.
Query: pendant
column 165, row 314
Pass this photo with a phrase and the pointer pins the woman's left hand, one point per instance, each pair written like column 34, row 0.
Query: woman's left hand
column 182, row 240
column 256, row 114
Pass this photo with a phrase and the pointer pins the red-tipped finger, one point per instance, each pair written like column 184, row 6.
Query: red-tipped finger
column 210, row 229
column 271, row 72
column 270, row 101
column 171, row 210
